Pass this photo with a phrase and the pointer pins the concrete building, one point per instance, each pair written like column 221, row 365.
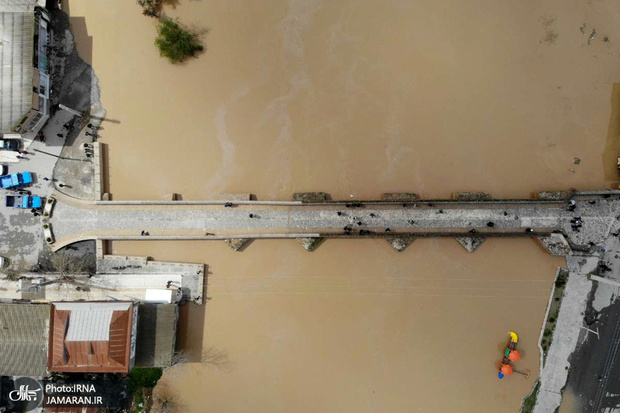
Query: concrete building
column 25, row 81
column 93, row 337
column 23, row 339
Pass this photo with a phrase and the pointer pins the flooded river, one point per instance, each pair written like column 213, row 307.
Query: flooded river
column 356, row 98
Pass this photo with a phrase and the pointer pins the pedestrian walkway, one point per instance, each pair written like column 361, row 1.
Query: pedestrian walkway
column 117, row 277
column 72, row 222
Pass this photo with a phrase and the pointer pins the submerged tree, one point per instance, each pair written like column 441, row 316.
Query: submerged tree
column 165, row 400
column 151, row 8
column 176, row 42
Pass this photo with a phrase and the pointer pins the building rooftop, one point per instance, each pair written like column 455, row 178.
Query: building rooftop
column 23, row 339
column 16, row 70
column 156, row 340
column 18, row 6
column 91, row 337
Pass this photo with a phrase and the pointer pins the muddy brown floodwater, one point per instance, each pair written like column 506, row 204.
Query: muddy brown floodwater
column 357, row 98
column 570, row 403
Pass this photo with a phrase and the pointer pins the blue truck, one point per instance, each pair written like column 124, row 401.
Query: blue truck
column 14, row 180
column 24, row 201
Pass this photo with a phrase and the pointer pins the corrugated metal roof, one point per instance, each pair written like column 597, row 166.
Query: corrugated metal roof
column 17, row 6
column 111, row 305
column 16, row 71
column 156, row 340
column 89, row 325
column 23, row 339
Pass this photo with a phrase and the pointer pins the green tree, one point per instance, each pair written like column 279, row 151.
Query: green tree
column 176, row 42
column 144, row 377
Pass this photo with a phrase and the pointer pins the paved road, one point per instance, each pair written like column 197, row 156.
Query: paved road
column 22, row 239
column 594, row 376
column 73, row 222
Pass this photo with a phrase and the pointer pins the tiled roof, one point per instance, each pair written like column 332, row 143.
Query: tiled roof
column 23, row 339
column 156, row 335
column 91, row 337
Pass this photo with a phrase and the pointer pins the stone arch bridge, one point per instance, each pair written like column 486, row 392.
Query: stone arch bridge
column 399, row 218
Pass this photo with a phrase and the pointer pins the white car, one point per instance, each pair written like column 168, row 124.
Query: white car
column 4, row 262
column 4, row 169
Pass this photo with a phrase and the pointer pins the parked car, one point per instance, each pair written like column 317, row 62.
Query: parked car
column 10, row 144
column 4, row 169
column 24, row 201
column 14, row 180
column 4, row 262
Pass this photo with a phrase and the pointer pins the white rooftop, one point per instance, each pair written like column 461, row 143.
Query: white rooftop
column 90, row 321
column 112, row 305
column 89, row 325
column 158, row 296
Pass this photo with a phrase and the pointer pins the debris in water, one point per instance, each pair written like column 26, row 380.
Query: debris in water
column 551, row 37
column 592, row 36
column 582, row 29
column 576, row 161
column 572, row 170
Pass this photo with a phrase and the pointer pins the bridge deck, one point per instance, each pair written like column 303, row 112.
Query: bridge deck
column 114, row 221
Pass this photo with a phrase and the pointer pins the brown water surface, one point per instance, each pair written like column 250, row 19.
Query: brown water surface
column 356, row 326
column 570, row 403
column 359, row 98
